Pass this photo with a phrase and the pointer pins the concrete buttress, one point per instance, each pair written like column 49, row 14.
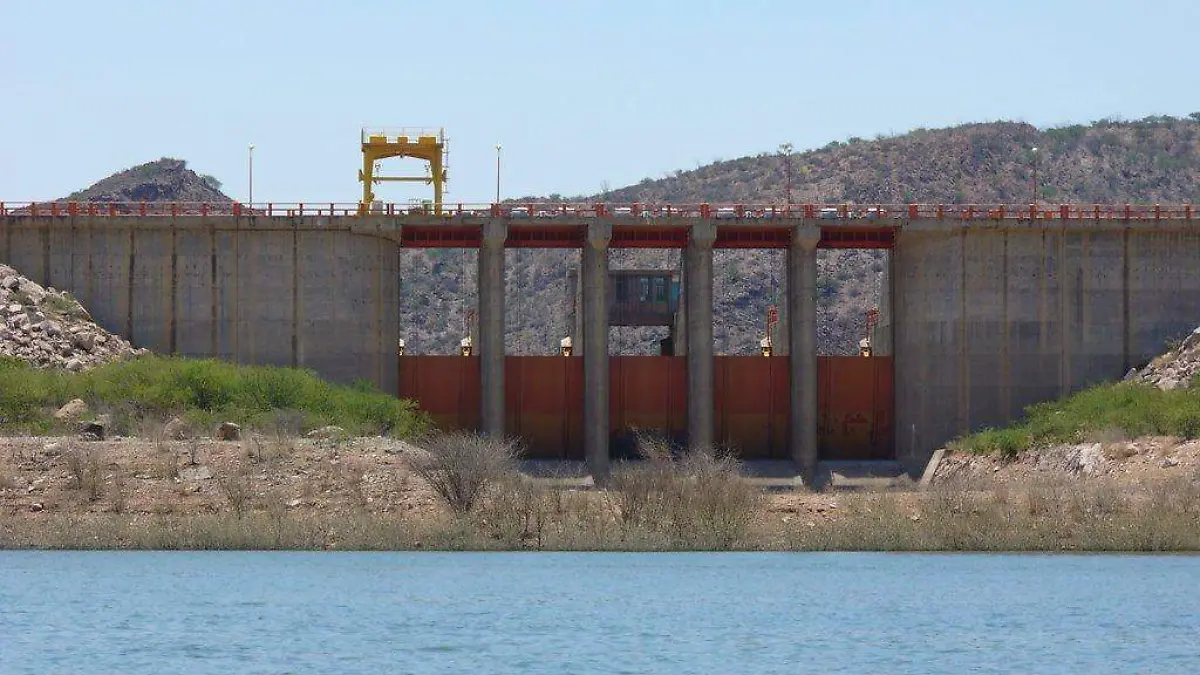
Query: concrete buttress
column 699, row 289
column 802, row 335
column 594, row 278
column 491, row 327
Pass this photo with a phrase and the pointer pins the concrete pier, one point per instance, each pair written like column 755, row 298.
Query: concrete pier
column 802, row 335
column 594, row 263
column 491, row 327
column 698, row 277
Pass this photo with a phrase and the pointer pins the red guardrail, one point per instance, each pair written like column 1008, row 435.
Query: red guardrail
column 636, row 210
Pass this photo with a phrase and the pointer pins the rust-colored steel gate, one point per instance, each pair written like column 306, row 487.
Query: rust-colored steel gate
column 544, row 402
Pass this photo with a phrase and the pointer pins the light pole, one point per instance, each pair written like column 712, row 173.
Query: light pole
column 1033, row 187
column 786, row 151
column 251, row 153
column 497, row 173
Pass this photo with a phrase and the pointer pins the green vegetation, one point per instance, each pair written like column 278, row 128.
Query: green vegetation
column 1130, row 408
column 203, row 391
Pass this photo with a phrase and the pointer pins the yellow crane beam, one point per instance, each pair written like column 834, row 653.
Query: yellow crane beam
column 428, row 145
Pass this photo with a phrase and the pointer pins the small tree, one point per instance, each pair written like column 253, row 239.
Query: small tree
column 460, row 466
column 211, row 181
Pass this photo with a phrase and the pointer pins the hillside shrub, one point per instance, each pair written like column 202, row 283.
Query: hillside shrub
column 205, row 391
column 1133, row 409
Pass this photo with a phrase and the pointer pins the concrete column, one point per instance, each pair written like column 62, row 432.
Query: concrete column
column 698, row 288
column 594, row 284
column 802, row 335
column 491, row 328
column 679, row 327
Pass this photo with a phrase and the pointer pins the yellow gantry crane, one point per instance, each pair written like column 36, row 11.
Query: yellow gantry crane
column 426, row 144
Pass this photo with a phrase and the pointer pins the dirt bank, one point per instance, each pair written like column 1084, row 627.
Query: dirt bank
column 359, row 493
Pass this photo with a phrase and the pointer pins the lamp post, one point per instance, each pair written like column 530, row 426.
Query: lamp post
column 1033, row 187
column 251, row 196
column 786, row 151
column 497, row 173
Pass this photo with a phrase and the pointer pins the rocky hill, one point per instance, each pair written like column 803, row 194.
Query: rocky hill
column 166, row 180
column 1156, row 159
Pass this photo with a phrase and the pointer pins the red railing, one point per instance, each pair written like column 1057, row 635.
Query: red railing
column 620, row 211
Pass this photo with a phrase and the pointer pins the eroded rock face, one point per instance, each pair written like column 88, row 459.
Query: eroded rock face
column 50, row 329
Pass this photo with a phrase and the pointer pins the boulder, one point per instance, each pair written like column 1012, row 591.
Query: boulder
column 175, row 429
column 92, row 431
column 71, row 410
column 228, row 431
column 95, row 430
column 83, row 341
column 1087, row 458
column 325, row 433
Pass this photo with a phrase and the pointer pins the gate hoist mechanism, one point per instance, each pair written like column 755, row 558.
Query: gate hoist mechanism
column 428, row 145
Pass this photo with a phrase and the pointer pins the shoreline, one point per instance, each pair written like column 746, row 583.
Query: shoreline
column 279, row 493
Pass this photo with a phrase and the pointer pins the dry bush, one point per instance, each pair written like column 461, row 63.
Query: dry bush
column 166, row 465
column 193, row 451
column 1047, row 498
column 85, row 467
column 238, row 490
column 519, row 512
column 460, row 466
column 699, row 500
column 717, row 504
column 1096, row 499
column 116, row 492
column 260, row 450
column 1178, row 495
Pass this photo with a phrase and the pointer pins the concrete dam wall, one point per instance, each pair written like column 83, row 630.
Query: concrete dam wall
column 309, row 292
column 990, row 318
column 981, row 317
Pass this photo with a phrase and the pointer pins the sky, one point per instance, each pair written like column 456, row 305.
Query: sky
column 579, row 94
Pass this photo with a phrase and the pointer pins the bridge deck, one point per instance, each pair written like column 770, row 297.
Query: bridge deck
column 635, row 225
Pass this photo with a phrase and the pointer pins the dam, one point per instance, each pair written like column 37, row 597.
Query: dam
column 986, row 309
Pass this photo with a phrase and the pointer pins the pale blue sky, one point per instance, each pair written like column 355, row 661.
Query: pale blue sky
column 578, row 93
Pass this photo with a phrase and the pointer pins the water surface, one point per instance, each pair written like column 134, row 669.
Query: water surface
column 346, row 613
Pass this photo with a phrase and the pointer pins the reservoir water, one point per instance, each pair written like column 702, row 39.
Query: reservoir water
column 244, row 613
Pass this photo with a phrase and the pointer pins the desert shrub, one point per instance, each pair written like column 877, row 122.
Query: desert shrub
column 1124, row 409
column 1005, row 442
column 698, row 499
column 519, row 511
column 203, row 391
column 238, row 490
column 117, row 492
column 85, row 466
column 460, row 466
column 63, row 304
